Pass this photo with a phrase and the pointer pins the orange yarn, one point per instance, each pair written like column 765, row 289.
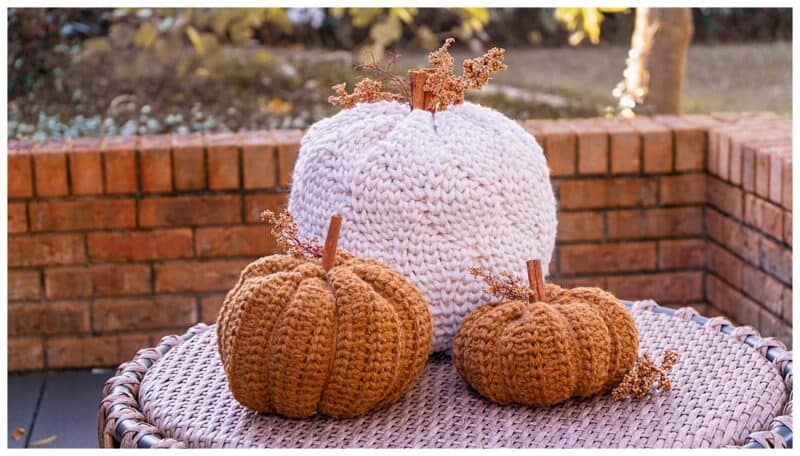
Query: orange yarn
column 577, row 343
column 297, row 340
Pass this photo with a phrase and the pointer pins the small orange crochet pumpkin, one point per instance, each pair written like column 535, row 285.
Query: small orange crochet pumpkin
column 338, row 336
column 542, row 346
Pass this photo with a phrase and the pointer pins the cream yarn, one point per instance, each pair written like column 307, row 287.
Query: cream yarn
column 430, row 195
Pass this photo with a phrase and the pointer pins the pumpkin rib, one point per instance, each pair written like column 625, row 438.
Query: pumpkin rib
column 251, row 383
column 533, row 350
column 301, row 349
column 593, row 346
column 462, row 338
column 359, row 379
column 481, row 354
column 406, row 300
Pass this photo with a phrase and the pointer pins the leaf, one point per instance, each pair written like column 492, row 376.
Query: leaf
column 279, row 18
column 262, row 57
column 279, row 107
column 18, row 433
column 99, row 45
column 404, row 14
column 386, row 32
column 44, row 441
column 121, row 35
column 145, row 35
column 362, row 17
column 194, row 37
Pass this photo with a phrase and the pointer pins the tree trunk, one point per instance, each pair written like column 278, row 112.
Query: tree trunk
column 657, row 59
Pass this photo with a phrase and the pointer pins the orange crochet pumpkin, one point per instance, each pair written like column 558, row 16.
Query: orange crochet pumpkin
column 340, row 337
column 543, row 346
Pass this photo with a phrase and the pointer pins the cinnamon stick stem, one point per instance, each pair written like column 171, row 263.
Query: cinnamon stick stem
column 331, row 241
column 536, row 280
column 420, row 99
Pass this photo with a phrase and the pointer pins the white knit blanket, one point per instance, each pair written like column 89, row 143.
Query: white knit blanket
column 431, row 196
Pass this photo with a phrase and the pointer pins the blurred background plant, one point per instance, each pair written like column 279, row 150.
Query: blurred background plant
column 77, row 71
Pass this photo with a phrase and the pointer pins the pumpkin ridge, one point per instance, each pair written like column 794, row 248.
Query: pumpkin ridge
column 335, row 342
column 250, row 388
column 293, row 365
column 347, row 370
column 405, row 299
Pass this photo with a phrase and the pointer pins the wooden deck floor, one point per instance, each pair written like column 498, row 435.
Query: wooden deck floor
column 55, row 409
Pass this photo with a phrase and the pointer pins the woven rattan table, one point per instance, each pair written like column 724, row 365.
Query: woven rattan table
column 731, row 388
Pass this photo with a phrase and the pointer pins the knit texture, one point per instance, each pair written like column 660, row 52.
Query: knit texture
column 296, row 341
column 429, row 195
column 579, row 343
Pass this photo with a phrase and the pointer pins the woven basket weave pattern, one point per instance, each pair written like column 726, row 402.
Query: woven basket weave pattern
column 727, row 393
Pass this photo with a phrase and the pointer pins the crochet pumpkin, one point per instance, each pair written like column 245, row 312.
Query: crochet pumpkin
column 543, row 346
column 429, row 183
column 338, row 336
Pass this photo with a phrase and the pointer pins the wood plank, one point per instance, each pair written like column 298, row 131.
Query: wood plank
column 68, row 409
column 23, row 396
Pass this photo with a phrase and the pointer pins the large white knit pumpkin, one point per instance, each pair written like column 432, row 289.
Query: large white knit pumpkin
column 430, row 195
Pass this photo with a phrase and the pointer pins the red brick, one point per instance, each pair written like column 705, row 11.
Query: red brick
column 786, row 300
column 713, row 150
column 616, row 192
column 725, row 197
column 681, row 254
column 726, row 146
column 92, row 351
column 656, row 145
column 119, row 160
column 736, row 157
column 86, row 173
column 762, row 288
column 82, row 214
column 592, row 144
column 624, row 144
column 288, row 145
column 725, row 264
column 129, row 314
column 786, row 197
column 17, row 218
column 744, row 242
column 140, row 245
column 258, row 156
column 155, row 162
column 20, row 180
column 24, row 285
column 690, row 142
column 209, row 307
column 762, row 171
column 189, row 162
column 775, row 178
column 776, row 260
column 787, row 227
column 655, row 223
column 770, row 325
column 255, row 204
column 50, row 170
column 25, row 354
column 36, row 319
column 764, row 216
column 574, row 282
column 604, row 258
column 196, row 276
column 560, row 149
column 675, row 287
column 748, row 168
column 683, row 189
column 223, row 161
column 189, row 210
column 45, row 249
column 580, row 226
column 234, row 241
column 98, row 280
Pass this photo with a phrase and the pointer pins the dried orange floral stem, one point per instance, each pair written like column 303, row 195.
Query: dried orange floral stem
column 645, row 375
column 284, row 229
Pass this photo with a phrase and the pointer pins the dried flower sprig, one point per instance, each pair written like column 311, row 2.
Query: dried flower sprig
column 446, row 88
column 645, row 375
column 384, row 73
column 506, row 285
column 284, row 229
column 366, row 91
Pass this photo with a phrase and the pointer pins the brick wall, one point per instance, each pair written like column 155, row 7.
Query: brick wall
column 116, row 242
